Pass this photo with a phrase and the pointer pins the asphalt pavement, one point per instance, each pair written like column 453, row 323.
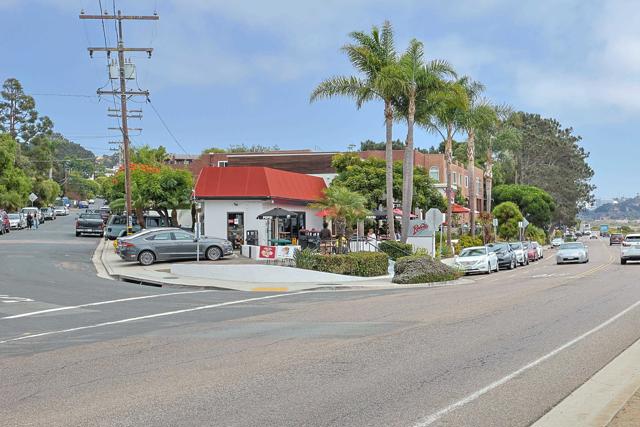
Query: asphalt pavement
column 77, row 350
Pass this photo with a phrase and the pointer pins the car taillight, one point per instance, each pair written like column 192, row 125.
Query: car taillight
column 126, row 244
column 77, row 223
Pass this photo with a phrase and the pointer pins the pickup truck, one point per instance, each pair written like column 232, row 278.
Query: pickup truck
column 89, row 223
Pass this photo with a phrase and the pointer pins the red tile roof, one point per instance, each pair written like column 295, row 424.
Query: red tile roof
column 251, row 182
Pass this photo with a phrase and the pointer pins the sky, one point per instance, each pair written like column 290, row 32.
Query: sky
column 240, row 72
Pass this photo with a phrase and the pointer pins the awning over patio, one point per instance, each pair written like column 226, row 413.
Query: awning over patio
column 277, row 213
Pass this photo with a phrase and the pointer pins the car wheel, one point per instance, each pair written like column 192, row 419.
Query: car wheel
column 77, row 234
column 512, row 265
column 213, row 253
column 146, row 258
column 623, row 261
column 101, row 235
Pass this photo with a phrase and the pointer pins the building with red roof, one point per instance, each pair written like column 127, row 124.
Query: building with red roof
column 232, row 198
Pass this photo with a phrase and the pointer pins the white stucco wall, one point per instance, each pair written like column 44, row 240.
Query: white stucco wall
column 215, row 216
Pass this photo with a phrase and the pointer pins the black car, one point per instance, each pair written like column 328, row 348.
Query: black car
column 506, row 255
column 89, row 223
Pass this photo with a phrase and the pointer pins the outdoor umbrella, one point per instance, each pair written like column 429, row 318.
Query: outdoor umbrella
column 277, row 213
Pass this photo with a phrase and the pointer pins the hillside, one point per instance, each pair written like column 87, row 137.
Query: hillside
column 627, row 209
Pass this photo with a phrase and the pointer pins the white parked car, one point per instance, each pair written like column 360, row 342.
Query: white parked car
column 572, row 252
column 35, row 213
column 477, row 259
column 17, row 220
column 521, row 254
column 630, row 249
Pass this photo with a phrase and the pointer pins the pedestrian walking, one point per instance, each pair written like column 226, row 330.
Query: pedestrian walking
column 29, row 221
column 36, row 221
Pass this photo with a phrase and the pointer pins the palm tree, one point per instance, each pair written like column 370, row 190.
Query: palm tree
column 419, row 83
column 502, row 135
column 450, row 105
column 373, row 56
column 479, row 115
column 343, row 205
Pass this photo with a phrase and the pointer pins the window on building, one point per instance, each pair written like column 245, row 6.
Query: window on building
column 434, row 173
column 454, row 176
column 478, row 186
column 222, row 163
column 466, row 181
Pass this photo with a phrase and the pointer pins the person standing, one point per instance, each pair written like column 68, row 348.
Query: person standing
column 36, row 220
column 29, row 221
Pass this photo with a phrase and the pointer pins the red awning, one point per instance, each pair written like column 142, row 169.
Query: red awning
column 250, row 182
column 324, row 212
column 399, row 212
column 457, row 209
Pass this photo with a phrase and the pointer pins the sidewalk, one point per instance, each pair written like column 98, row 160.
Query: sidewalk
column 629, row 415
column 110, row 265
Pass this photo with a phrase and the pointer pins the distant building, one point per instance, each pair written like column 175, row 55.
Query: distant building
column 319, row 164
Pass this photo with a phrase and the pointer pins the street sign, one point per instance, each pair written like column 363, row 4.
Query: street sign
column 519, row 224
column 525, row 223
column 32, row 197
column 434, row 218
column 495, row 222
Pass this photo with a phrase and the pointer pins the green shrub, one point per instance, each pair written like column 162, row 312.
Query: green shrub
column 468, row 241
column 304, row 259
column 422, row 269
column 364, row 264
column 534, row 233
column 395, row 249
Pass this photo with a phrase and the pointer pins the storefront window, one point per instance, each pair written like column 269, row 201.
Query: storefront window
column 235, row 228
column 290, row 227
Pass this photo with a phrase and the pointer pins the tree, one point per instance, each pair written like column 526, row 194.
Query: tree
column 14, row 183
column 147, row 155
column 502, row 138
column 479, row 115
column 445, row 117
column 535, row 204
column 374, row 58
column 18, row 115
column 508, row 216
column 367, row 177
column 47, row 190
column 552, row 160
column 370, row 145
column 420, row 85
column 343, row 205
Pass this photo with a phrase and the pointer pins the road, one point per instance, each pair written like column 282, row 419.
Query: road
column 501, row 351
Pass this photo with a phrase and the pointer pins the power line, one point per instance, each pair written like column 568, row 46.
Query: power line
column 165, row 126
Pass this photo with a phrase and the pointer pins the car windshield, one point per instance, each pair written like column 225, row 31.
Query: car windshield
column 473, row 252
column 516, row 245
column 498, row 247
column 616, row 235
column 628, row 239
column 91, row 216
column 572, row 246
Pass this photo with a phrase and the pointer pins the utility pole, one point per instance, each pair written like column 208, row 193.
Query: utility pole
column 122, row 92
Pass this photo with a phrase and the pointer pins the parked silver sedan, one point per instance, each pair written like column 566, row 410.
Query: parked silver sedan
column 169, row 244
column 572, row 252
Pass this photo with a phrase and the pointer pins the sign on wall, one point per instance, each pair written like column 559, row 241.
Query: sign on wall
column 267, row 252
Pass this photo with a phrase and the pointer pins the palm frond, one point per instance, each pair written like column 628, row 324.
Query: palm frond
column 348, row 86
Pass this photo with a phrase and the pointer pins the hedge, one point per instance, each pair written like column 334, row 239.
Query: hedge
column 468, row 241
column 395, row 249
column 364, row 264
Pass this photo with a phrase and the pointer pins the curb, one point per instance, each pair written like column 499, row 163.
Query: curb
column 102, row 268
column 105, row 271
column 596, row 402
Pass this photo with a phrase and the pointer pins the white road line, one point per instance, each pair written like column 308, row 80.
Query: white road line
column 470, row 398
column 152, row 316
column 93, row 304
